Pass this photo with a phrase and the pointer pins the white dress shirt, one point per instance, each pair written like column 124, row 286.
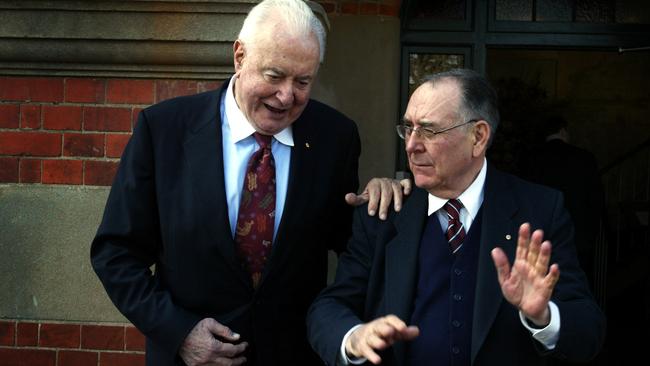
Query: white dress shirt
column 238, row 146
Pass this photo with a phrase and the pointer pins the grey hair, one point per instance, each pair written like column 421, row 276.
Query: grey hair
column 295, row 14
column 479, row 100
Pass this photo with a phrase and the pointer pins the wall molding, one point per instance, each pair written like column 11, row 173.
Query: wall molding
column 135, row 38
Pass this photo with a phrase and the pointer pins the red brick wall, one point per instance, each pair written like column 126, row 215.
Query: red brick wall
column 73, row 130
column 361, row 7
column 25, row 343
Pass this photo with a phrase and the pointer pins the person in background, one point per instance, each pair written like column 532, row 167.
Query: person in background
column 235, row 197
column 478, row 268
column 574, row 171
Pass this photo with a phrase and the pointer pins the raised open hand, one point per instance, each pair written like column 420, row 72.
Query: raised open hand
column 529, row 284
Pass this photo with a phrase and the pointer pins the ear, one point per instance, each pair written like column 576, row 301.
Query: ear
column 480, row 138
column 238, row 55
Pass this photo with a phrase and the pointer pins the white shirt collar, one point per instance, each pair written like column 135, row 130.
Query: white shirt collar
column 240, row 127
column 471, row 198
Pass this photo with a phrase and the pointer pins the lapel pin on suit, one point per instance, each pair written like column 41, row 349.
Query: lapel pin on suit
column 508, row 237
column 307, row 145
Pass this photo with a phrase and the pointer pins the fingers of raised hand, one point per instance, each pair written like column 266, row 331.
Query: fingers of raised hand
column 522, row 241
column 502, row 265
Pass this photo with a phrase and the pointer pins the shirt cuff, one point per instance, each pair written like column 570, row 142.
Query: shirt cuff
column 345, row 360
column 549, row 335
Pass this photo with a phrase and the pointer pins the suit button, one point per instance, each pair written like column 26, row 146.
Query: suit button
column 455, row 350
column 455, row 323
column 458, row 297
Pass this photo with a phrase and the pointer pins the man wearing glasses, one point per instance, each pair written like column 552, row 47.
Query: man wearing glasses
column 467, row 262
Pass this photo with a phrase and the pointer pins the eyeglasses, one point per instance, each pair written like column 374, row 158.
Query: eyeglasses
column 404, row 131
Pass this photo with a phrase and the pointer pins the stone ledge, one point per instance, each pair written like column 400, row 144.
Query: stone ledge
column 141, row 38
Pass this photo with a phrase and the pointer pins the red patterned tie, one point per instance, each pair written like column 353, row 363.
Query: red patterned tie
column 455, row 229
column 256, row 218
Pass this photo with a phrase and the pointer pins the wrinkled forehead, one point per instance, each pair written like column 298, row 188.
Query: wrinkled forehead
column 434, row 102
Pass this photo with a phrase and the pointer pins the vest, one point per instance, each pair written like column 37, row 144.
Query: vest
column 444, row 298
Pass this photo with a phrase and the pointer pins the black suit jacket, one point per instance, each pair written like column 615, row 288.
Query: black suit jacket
column 377, row 275
column 167, row 208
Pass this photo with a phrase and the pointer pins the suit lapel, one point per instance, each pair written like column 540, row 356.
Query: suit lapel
column 402, row 261
column 204, row 153
column 299, row 190
column 499, row 208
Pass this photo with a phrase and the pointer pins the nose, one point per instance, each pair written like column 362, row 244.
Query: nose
column 285, row 93
column 413, row 143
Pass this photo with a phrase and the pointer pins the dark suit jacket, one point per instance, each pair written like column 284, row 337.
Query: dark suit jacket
column 377, row 275
column 167, row 208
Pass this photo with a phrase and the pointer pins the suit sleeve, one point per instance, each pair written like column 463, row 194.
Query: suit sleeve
column 341, row 305
column 582, row 327
column 128, row 244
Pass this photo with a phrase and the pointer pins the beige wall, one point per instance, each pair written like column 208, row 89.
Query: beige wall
column 360, row 77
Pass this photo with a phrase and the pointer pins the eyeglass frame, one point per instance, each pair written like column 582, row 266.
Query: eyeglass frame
column 433, row 133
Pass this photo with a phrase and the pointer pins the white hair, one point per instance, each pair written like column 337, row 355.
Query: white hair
column 296, row 15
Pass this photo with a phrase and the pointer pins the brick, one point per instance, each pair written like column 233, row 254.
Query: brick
column 166, row 89
column 107, row 119
column 30, row 143
column 13, row 89
column 368, row 8
column 389, row 10
column 9, row 115
column 27, row 334
column 99, row 173
column 30, row 116
column 24, row 357
column 45, row 89
column 85, row 90
column 7, row 333
column 128, row 91
column 62, row 117
column 62, row 172
column 102, row 337
column 134, row 340
column 115, row 144
column 120, row 359
column 203, row 86
column 134, row 116
column 32, row 89
column 59, row 335
column 8, row 170
column 77, row 358
column 30, row 171
column 78, row 144
column 350, row 8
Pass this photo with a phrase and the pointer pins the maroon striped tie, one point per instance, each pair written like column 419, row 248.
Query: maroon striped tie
column 256, row 218
column 455, row 229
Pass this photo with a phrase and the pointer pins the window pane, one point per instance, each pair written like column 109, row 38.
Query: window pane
column 424, row 64
column 554, row 10
column 514, row 10
column 594, row 11
column 440, row 10
column 633, row 11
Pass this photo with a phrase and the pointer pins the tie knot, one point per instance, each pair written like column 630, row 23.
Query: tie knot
column 263, row 140
column 453, row 207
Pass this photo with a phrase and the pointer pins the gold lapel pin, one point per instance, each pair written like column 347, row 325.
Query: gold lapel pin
column 307, row 145
column 508, row 237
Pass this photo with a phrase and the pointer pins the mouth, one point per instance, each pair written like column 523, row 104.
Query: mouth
column 274, row 110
